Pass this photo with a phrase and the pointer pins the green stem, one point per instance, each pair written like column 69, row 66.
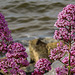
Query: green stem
column 69, row 68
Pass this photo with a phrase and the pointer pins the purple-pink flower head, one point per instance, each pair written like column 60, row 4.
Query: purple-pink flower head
column 17, row 71
column 43, row 65
column 3, row 47
column 72, row 51
column 5, row 34
column 61, row 71
column 64, row 71
column 16, row 47
column 17, row 51
column 37, row 72
column 9, row 65
column 72, row 60
column 66, row 24
column 6, row 64
column 16, row 57
column 59, row 52
column 66, row 17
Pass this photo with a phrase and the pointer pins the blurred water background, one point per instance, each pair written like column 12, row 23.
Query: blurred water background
column 32, row 18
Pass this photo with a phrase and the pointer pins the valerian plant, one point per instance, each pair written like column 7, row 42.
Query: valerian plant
column 16, row 57
column 42, row 66
column 65, row 32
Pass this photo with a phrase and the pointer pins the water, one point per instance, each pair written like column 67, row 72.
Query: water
column 32, row 17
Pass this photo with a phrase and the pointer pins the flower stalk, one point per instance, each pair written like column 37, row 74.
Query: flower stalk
column 69, row 68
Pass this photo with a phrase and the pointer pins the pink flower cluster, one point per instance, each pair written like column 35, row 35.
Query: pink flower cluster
column 17, row 71
column 5, row 36
column 42, row 66
column 3, row 47
column 4, row 30
column 66, row 20
column 10, row 66
column 37, row 72
column 73, row 34
column 73, row 50
column 16, row 57
column 64, row 71
column 59, row 52
column 62, row 34
column 61, row 71
column 66, row 59
column 17, row 51
column 66, row 32
column 66, row 17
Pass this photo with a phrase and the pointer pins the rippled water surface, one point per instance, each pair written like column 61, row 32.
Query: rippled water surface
column 32, row 17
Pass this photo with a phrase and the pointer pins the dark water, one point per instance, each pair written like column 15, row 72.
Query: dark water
column 32, row 17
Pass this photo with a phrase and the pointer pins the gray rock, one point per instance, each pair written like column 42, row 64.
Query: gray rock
column 54, row 65
column 29, row 68
column 51, row 72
